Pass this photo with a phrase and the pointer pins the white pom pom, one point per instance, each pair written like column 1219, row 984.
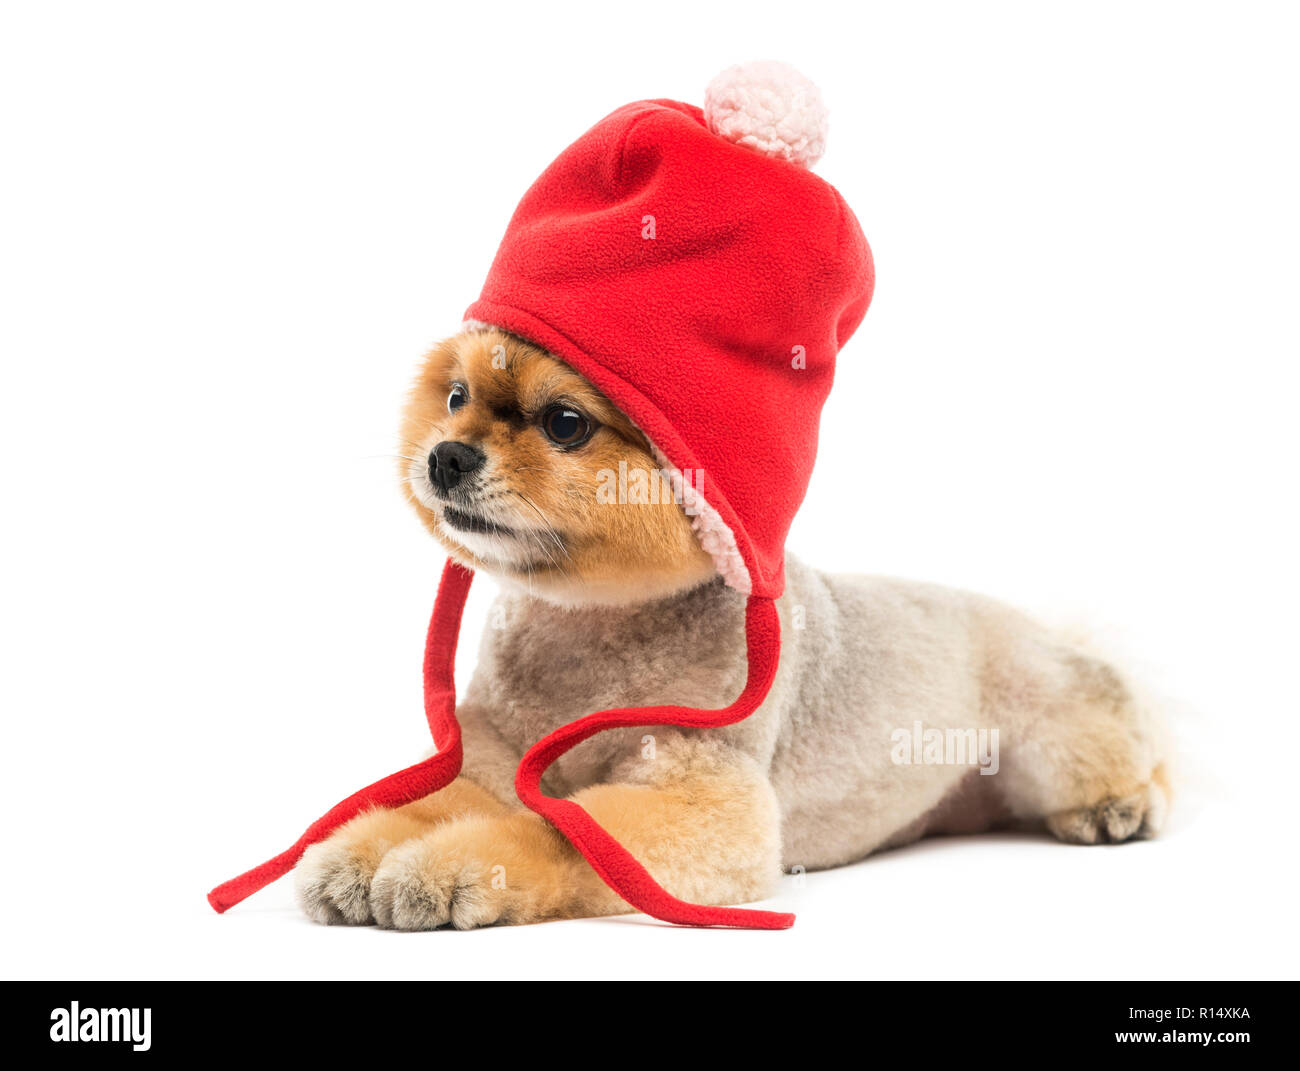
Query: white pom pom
column 769, row 107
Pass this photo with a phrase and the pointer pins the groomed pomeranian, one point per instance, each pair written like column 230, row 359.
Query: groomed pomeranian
column 608, row 601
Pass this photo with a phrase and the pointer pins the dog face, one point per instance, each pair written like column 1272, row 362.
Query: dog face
column 509, row 458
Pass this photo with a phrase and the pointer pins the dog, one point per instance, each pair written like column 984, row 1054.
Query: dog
column 609, row 600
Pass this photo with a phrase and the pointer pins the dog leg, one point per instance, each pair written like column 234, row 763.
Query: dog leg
column 1088, row 763
column 700, row 817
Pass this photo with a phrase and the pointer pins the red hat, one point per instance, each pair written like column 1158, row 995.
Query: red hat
column 690, row 265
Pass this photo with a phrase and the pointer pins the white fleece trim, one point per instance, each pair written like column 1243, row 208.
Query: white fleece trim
column 713, row 533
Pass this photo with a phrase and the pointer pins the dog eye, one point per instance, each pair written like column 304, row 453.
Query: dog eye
column 458, row 397
column 565, row 426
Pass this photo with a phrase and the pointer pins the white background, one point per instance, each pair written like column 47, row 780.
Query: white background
column 229, row 232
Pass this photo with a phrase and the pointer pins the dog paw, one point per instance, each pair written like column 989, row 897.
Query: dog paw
column 420, row 886
column 1113, row 821
column 332, row 882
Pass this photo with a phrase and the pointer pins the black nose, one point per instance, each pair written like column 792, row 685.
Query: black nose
column 451, row 462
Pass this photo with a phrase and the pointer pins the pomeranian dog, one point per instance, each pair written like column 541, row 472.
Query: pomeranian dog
column 607, row 602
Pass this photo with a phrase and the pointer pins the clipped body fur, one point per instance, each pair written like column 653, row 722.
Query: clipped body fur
column 807, row 781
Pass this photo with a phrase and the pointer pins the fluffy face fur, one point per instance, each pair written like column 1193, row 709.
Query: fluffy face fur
column 532, row 513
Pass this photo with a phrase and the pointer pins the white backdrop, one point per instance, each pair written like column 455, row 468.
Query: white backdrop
column 228, row 232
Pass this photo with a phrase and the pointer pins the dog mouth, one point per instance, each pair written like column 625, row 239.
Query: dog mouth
column 514, row 550
column 463, row 521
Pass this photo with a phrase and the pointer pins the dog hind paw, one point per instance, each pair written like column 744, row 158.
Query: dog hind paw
column 1138, row 816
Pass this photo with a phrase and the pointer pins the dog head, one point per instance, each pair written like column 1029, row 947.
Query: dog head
column 518, row 466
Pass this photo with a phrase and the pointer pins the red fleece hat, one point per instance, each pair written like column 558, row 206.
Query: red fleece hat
column 690, row 265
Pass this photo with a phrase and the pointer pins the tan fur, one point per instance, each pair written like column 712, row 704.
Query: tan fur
column 470, row 860
column 617, row 605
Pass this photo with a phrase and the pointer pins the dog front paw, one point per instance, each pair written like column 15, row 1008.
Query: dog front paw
column 332, row 882
column 419, row 886
column 333, row 877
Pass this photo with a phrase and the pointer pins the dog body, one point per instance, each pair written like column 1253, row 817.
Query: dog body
column 863, row 660
column 616, row 605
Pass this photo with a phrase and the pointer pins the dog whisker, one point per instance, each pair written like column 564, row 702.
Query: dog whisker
column 549, row 530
